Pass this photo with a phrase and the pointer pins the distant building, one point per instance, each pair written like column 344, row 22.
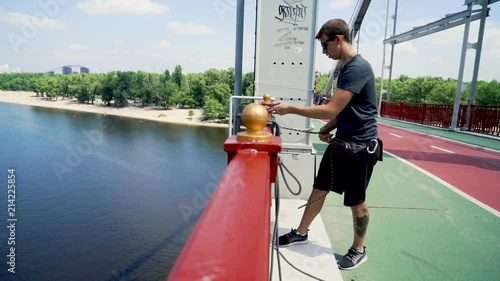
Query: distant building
column 66, row 70
column 84, row 70
column 4, row 68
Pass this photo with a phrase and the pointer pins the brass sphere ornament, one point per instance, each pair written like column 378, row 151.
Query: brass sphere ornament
column 267, row 100
column 254, row 118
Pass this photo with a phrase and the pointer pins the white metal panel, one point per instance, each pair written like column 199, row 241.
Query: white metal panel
column 284, row 57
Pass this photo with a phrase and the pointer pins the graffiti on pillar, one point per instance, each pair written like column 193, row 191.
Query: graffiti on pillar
column 293, row 12
column 287, row 40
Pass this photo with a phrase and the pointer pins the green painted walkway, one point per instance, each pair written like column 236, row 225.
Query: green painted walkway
column 419, row 229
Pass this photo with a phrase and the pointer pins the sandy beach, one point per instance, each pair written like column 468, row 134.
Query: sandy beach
column 174, row 116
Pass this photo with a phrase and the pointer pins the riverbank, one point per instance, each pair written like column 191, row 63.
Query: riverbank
column 173, row 116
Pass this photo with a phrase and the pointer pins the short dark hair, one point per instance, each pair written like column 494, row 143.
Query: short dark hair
column 335, row 27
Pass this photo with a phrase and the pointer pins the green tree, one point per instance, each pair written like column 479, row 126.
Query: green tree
column 321, row 81
column 247, row 84
column 488, row 93
column 213, row 109
column 197, row 88
column 177, row 76
column 169, row 94
column 166, row 76
column 83, row 93
column 220, row 92
column 52, row 87
column 108, row 87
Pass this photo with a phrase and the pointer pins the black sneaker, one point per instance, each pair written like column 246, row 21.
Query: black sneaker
column 352, row 259
column 292, row 238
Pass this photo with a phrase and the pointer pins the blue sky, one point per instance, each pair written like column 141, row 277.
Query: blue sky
column 154, row 35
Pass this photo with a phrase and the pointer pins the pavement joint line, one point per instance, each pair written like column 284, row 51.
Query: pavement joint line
column 442, row 149
column 396, row 208
column 444, row 183
column 448, row 185
column 394, row 135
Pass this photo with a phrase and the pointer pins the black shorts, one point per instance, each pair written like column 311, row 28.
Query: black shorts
column 349, row 174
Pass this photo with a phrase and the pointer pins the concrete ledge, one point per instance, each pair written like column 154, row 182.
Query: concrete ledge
column 316, row 257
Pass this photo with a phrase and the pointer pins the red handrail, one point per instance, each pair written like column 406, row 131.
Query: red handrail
column 231, row 240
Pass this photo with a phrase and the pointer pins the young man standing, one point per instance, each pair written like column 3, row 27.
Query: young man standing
column 347, row 164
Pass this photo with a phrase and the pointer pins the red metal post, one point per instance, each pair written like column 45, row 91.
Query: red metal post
column 232, row 145
column 423, row 114
column 472, row 120
column 231, row 240
column 401, row 105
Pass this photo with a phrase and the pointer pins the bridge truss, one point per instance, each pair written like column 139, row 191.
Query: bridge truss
column 449, row 21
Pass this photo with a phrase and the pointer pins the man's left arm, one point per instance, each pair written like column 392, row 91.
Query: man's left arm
column 339, row 101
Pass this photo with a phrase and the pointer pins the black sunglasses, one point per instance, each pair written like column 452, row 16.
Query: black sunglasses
column 324, row 44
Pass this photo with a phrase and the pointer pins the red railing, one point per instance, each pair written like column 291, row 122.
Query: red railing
column 231, row 240
column 483, row 119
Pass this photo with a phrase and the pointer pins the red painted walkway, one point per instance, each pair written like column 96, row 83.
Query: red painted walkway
column 473, row 170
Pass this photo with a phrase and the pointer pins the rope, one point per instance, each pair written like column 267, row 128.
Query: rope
column 274, row 239
column 282, row 165
column 315, row 200
column 299, row 270
column 299, row 130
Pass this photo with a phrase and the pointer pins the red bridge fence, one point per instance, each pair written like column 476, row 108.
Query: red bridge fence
column 483, row 119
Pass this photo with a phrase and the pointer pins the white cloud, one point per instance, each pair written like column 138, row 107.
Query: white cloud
column 494, row 53
column 406, row 47
column 341, row 4
column 135, row 7
column 78, row 48
column 162, row 45
column 436, row 59
column 492, row 36
column 189, row 28
column 202, row 62
column 114, row 52
column 39, row 20
column 117, row 42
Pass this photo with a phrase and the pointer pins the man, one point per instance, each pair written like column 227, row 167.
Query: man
column 347, row 164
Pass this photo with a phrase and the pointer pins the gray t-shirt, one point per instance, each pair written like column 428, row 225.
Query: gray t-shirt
column 356, row 122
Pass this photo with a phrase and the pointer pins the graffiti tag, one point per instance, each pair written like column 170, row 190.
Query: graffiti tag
column 293, row 12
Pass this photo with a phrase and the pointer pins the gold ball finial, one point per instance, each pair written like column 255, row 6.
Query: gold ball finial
column 254, row 118
column 267, row 100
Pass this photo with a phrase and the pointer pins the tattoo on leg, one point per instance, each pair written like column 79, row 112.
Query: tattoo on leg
column 361, row 220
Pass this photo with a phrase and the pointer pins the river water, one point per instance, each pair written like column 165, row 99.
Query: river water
column 100, row 197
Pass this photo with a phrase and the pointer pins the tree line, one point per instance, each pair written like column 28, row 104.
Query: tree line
column 210, row 90
column 431, row 90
